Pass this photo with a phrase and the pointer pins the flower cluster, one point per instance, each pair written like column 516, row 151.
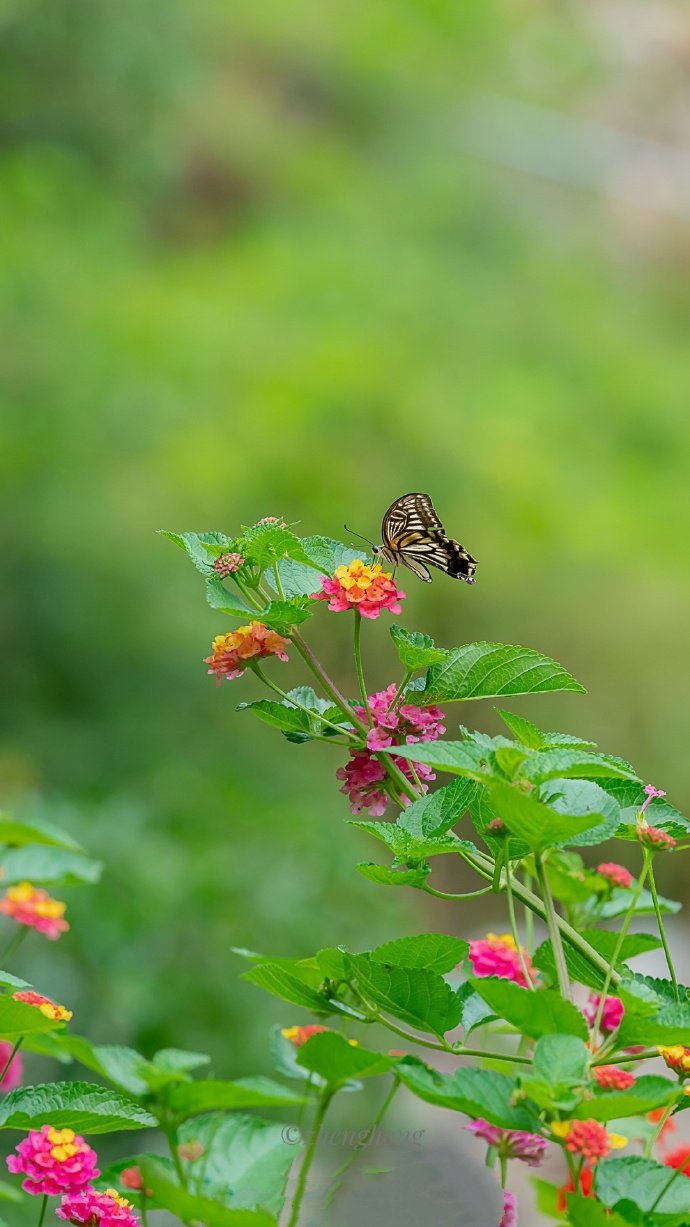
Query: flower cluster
column 497, row 955
column 679, row 1159
column 15, row 1069
column 360, row 586
column 588, row 1138
column 511, row 1143
column 58, row 1013
column 191, row 1151
column 232, row 653
column 676, row 1058
column 227, row 564
column 616, row 875
column 610, row 1078
column 407, row 724
column 29, row 905
column 273, row 520
column 106, row 1209
column 654, row 837
column 611, row 1015
column 300, row 1035
column 54, row 1161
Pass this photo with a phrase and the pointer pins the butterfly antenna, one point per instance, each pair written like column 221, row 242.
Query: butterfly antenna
column 354, row 534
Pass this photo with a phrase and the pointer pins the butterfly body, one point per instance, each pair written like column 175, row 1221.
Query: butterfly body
column 414, row 536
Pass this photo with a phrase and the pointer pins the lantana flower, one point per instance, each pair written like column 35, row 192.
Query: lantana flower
column 497, row 955
column 361, row 586
column 588, row 1138
column 273, row 520
column 585, row 1183
column 511, row 1143
column 233, row 653
column 300, row 1035
column 679, row 1158
column 191, row 1151
column 654, row 837
column 106, row 1209
column 227, row 564
column 509, row 1210
column 363, row 775
column 29, row 905
column 617, row 875
column 611, row 1015
column 651, row 793
column 610, row 1078
column 54, row 1161
column 15, row 1070
column 49, row 1008
column 676, row 1058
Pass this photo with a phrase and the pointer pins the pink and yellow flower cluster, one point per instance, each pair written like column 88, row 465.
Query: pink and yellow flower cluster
column 106, row 1209
column 48, row 1008
column 497, row 955
column 29, row 905
column 361, row 586
column 233, row 653
column 54, row 1161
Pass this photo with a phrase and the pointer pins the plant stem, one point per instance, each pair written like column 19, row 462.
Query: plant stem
column 360, row 670
column 513, row 922
column 654, row 1137
column 621, row 938
column 44, row 1207
column 256, row 668
column 308, row 1156
column 356, row 1150
column 401, row 689
column 144, row 1212
column 444, row 894
column 554, row 931
column 10, row 1059
column 676, row 1172
column 279, row 586
column 13, row 944
column 662, row 931
column 529, row 920
column 171, row 1138
column 329, row 686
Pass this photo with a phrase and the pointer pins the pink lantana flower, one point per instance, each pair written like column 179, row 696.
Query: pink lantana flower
column 29, row 905
column 233, row 653
column 361, row 586
column 273, row 520
column 612, row 1013
column 509, row 1210
column 54, row 1161
column 14, row 1071
column 511, row 1143
column 49, row 1008
column 227, row 564
column 617, row 875
column 651, row 793
column 497, row 955
column 654, row 837
column 107, row 1209
column 611, row 1078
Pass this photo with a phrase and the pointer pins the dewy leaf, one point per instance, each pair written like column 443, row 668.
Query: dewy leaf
column 244, row 1161
column 438, row 811
column 649, row 1093
column 393, row 877
column 542, row 1012
column 15, row 834
column 191, row 1098
column 72, row 1105
column 416, row 996
column 485, row 670
column 193, row 1208
column 434, row 951
column 537, row 824
column 329, row 1055
column 644, row 1182
column 477, row 1092
column 415, row 650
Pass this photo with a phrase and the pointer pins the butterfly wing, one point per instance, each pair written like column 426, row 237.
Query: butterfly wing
column 414, row 535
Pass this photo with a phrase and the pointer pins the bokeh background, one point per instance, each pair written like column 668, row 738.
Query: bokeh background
column 298, row 259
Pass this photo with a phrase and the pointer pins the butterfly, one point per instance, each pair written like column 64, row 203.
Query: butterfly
column 414, row 536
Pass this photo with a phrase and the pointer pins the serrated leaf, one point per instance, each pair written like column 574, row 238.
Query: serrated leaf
column 585, row 1212
column 619, row 903
column 245, row 1161
column 193, row 1208
column 324, row 555
column 433, row 951
column 604, row 942
column 329, row 1055
column 630, row 797
column 534, row 738
column 17, row 1018
column 194, row 545
column 486, row 670
column 16, row 834
column 393, row 877
column 644, row 1182
column 539, row 825
column 458, row 757
column 191, row 1098
column 477, row 1092
column 415, row 650
column 281, row 983
column 474, row 1010
column 416, row 996
column 564, row 763
column 49, row 866
column 670, row 1026
column 560, row 1060
column 437, row 812
column 649, row 1093
column 408, row 848
column 533, row 1012
column 73, row 1105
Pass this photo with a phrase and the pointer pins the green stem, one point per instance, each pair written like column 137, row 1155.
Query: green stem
column 309, row 1156
column 360, row 670
column 144, row 1212
column 401, row 689
column 513, row 922
column 554, row 930
column 279, row 586
column 13, row 944
column 529, row 920
column 44, row 1207
column 339, row 1176
column 11, row 1057
column 654, row 1137
column 171, row 1138
column 619, row 942
column 662, row 931
column 626, row 1058
column 444, row 894
column 256, row 668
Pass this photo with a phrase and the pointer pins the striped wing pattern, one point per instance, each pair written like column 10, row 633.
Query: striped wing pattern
column 414, row 536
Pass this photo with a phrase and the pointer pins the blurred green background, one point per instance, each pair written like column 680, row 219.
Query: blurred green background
column 299, row 259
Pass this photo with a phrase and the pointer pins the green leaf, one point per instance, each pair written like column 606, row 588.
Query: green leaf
column 630, row 797
column 534, row 1013
column 584, row 1212
column 475, row 1011
column 643, row 1182
column 280, row 615
column 73, row 1105
column 464, row 758
column 485, row 670
column 560, row 1061
column 324, row 556
column 194, row 545
column 262, row 545
column 649, row 1092
column 671, row 1026
column 537, row 824
column 190, row 1098
column 437, row 812
column 393, row 877
column 407, row 847
column 619, row 903
column 177, row 1061
column 416, row 996
column 295, row 724
column 7, row 980
column 281, row 983
column 193, row 1208
column 534, row 738
column 17, row 1018
column 49, row 866
column 245, row 1161
column 18, row 833
column 477, row 1092
column 415, row 650
column 565, row 763
column 603, row 941
column 329, row 1055
column 433, row 951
